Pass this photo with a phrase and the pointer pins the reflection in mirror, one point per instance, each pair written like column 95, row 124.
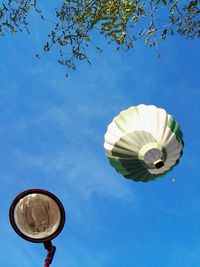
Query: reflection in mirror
column 37, row 215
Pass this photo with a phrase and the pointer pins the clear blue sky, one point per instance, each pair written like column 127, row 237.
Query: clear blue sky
column 51, row 137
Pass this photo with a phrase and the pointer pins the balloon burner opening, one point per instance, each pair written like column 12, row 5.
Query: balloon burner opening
column 153, row 157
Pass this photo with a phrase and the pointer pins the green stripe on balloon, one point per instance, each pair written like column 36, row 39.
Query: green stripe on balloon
column 174, row 126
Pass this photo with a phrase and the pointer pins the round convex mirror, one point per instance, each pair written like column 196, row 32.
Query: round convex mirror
column 37, row 215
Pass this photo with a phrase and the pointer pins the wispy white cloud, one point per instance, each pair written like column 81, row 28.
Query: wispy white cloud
column 81, row 171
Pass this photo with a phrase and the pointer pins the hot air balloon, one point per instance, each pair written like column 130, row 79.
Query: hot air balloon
column 143, row 143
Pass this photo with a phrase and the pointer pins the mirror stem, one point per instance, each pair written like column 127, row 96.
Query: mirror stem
column 51, row 251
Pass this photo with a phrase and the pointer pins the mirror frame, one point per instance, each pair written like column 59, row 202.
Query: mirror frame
column 37, row 191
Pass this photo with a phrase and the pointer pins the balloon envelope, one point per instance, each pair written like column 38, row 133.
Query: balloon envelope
column 143, row 142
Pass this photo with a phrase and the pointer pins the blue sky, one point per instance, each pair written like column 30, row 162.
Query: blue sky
column 51, row 137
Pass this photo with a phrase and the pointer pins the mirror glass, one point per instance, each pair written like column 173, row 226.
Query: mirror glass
column 37, row 215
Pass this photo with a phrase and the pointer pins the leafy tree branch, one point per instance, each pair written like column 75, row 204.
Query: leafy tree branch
column 120, row 22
